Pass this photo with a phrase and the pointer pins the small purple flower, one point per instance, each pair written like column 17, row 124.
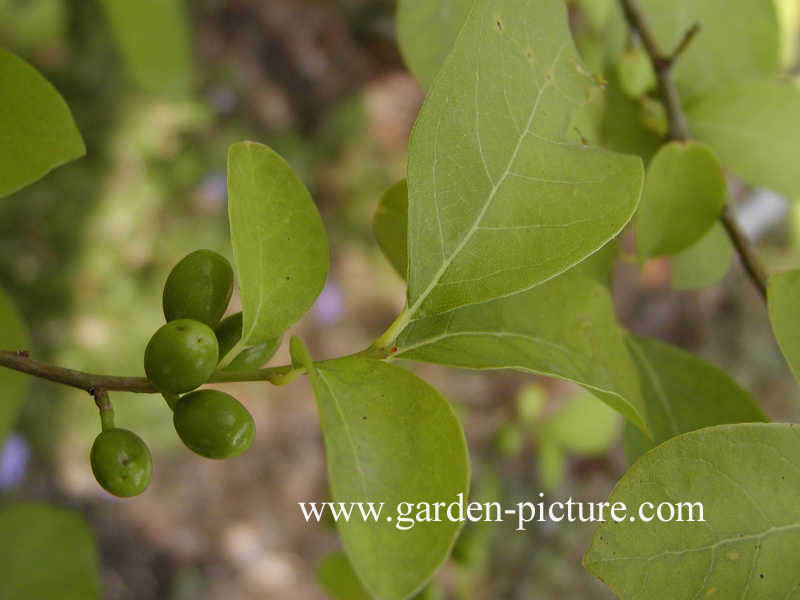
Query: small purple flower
column 214, row 186
column 223, row 99
column 329, row 306
column 14, row 457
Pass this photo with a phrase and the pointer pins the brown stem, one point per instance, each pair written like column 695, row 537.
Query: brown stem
column 753, row 267
column 92, row 382
column 679, row 130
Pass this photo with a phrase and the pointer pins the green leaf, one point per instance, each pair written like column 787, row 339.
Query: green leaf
column 46, row 552
column 38, row 131
column 336, row 576
column 426, row 31
column 14, row 385
column 391, row 226
column 783, row 302
column 391, row 230
column 736, row 40
column 392, row 438
column 279, row 242
column 703, row 263
column 682, row 393
column 684, row 194
column 153, row 38
column 565, row 328
column 498, row 201
column 754, row 129
column 747, row 477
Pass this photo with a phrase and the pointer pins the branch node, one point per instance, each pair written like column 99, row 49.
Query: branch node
column 687, row 38
column 679, row 129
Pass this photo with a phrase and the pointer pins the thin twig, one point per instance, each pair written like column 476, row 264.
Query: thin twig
column 679, row 130
column 755, row 270
column 687, row 38
column 91, row 382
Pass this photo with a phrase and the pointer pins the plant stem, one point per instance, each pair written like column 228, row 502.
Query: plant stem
column 387, row 338
column 755, row 270
column 91, row 382
column 679, row 130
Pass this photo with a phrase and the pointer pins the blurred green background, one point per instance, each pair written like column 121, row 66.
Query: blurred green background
column 84, row 253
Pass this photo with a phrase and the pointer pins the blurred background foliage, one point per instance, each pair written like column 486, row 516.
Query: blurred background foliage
column 84, row 253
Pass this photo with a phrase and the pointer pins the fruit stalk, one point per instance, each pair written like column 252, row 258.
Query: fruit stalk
column 104, row 406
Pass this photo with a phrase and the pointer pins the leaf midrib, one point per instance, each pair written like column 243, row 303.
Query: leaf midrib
column 495, row 187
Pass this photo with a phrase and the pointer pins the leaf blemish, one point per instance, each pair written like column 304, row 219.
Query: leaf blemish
column 499, row 24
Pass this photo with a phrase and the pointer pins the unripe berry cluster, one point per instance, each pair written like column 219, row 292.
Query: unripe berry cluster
column 180, row 357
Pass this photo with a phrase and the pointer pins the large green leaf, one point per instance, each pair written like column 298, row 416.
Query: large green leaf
column 426, row 31
column 38, row 132
column 783, row 300
column 703, row 263
column 279, row 242
column 153, row 38
column 498, row 200
column 564, row 328
column 684, row 194
column 46, row 552
column 391, row 230
column 391, row 438
column 747, row 477
column 754, row 128
column 13, row 336
column 682, row 393
column 736, row 40
column 391, row 226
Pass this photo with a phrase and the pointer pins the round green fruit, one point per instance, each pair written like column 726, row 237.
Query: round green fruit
column 121, row 462
column 181, row 356
column 213, row 424
column 199, row 287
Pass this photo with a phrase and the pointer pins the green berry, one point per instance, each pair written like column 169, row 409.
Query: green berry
column 229, row 332
column 199, row 287
column 213, row 424
column 635, row 73
column 121, row 462
column 181, row 356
